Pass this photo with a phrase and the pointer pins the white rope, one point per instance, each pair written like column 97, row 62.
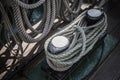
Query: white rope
column 84, row 39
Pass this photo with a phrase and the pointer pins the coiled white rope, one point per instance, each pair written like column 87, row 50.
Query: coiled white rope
column 82, row 38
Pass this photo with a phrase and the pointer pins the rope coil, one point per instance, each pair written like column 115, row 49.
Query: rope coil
column 82, row 38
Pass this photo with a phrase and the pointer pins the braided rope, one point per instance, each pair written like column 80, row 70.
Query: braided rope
column 29, row 6
column 50, row 17
column 84, row 39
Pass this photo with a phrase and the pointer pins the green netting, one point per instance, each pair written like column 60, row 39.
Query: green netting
column 88, row 63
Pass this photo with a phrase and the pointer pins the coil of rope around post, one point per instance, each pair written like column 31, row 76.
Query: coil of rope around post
column 82, row 37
